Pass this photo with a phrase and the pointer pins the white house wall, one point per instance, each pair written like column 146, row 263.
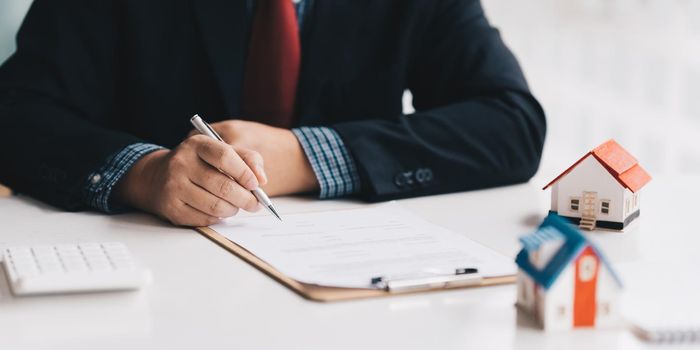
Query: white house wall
column 633, row 205
column 555, row 197
column 607, row 297
column 526, row 292
column 559, row 297
column 590, row 175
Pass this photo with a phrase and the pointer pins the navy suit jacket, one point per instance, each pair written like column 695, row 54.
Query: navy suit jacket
column 92, row 76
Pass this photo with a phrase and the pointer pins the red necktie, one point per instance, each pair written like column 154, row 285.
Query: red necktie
column 272, row 69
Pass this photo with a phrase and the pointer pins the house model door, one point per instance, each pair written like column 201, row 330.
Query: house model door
column 589, row 210
column 587, row 265
column 590, row 201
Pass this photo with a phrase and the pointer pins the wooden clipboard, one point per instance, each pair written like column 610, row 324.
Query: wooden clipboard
column 316, row 292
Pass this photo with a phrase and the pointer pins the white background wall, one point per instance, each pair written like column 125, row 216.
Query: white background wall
column 623, row 69
column 11, row 14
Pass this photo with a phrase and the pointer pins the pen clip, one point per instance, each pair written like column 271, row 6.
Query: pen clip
column 460, row 278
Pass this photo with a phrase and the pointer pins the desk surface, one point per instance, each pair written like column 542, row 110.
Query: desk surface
column 202, row 296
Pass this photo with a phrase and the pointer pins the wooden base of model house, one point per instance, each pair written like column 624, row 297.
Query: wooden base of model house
column 610, row 225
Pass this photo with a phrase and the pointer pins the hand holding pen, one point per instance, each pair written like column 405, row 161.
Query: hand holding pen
column 206, row 129
column 197, row 183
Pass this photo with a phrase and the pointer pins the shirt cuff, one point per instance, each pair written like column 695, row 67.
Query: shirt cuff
column 330, row 160
column 100, row 183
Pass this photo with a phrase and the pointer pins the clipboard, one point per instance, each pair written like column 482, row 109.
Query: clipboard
column 319, row 293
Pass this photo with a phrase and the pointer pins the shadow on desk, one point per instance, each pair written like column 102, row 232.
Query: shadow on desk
column 93, row 315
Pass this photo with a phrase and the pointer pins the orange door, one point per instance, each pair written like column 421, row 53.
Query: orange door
column 585, row 288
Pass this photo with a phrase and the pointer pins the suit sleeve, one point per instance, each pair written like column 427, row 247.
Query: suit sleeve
column 476, row 125
column 57, row 101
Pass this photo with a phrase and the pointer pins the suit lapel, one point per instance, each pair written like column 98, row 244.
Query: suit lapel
column 223, row 25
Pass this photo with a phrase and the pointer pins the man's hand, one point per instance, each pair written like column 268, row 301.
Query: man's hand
column 185, row 186
column 286, row 165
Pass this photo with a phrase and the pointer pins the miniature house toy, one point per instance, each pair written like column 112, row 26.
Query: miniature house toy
column 601, row 189
column 564, row 280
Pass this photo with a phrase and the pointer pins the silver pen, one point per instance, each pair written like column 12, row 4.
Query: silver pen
column 402, row 284
column 206, row 129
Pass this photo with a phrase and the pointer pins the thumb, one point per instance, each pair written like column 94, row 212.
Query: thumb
column 255, row 162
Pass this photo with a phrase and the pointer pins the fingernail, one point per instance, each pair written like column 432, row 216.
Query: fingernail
column 261, row 171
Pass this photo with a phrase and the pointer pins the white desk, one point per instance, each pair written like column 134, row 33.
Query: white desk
column 220, row 302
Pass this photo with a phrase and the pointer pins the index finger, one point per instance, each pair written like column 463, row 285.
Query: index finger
column 222, row 156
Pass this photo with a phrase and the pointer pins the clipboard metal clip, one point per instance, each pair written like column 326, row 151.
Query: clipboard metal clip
column 460, row 278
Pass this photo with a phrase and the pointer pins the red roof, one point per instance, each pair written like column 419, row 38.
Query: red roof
column 618, row 162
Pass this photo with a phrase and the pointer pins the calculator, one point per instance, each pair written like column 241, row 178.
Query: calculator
column 72, row 268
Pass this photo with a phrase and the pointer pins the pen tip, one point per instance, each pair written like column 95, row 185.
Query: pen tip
column 274, row 212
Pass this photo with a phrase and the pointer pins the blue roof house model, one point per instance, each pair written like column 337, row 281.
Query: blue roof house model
column 560, row 279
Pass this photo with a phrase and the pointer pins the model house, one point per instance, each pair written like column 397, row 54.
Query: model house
column 564, row 281
column 601, row 189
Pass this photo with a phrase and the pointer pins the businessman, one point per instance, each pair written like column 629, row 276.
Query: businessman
column 96, row 101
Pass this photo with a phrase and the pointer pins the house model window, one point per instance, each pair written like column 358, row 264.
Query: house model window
column 605, row 206
column 574, row 203
column 561, row 311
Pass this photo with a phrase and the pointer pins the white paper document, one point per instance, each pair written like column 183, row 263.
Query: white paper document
column 347, row 248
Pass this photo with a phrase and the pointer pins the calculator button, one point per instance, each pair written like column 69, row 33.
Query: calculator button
column 26, row 270
column 125, row 265
column 76, row 268
column 19, row 253
column 68, row 254
column 102, row 260
column 71, row 258
column 21, row 259
column 44, row 251
column 51, row 268
column 100, row 266
column 117, row 253
column 47, row 258
column 23, row 265
column 66, row 247
column 91, row 249
column 110, row 245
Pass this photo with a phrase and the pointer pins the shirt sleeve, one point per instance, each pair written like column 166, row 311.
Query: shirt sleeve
column 330, row 160
column 99, row 184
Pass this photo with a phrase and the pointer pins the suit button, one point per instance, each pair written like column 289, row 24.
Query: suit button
column 399, row 181
column 424, row 175
column 95, row 179
column 408, row 177
column 428, row 175
column 404, row 179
